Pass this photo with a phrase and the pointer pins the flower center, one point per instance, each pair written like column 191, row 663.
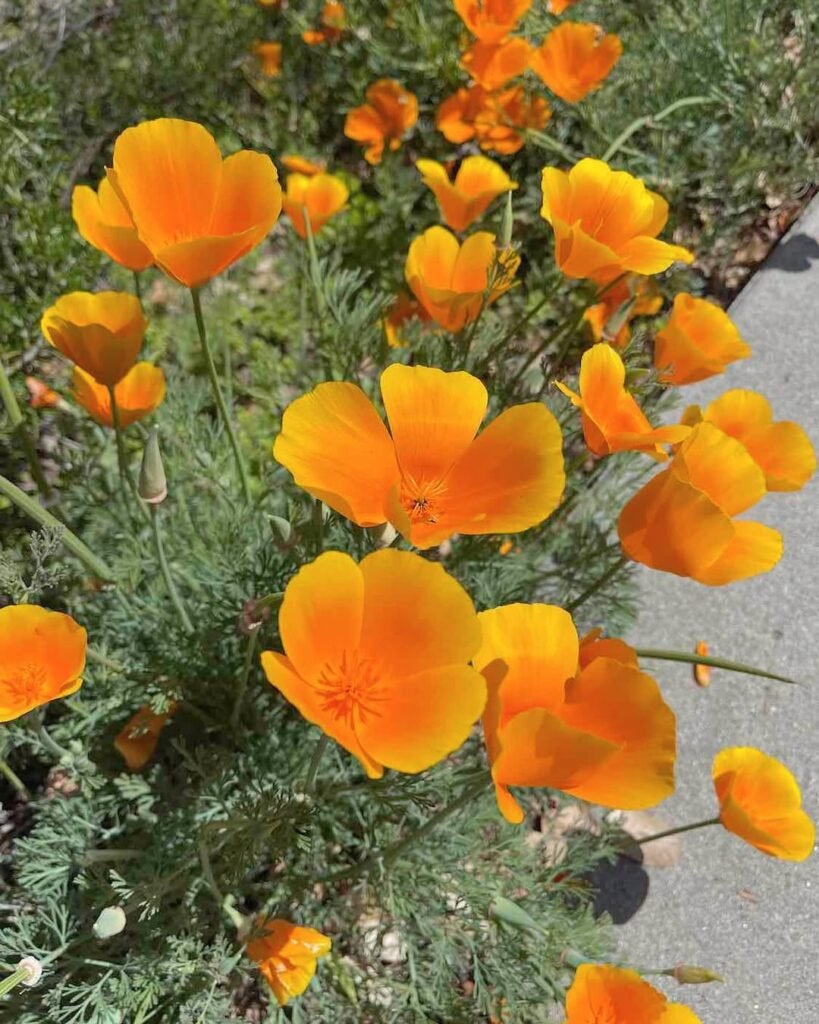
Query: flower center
column 423, row 500
column 350, row 688
column 24, row 687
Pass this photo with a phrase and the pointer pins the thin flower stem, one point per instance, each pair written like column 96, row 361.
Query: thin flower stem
column 318, row 524
column 701, row 659
column 14, row 779
column 315, row 761
column 69, row 540
column 165, row 569
column 510, row 334
column 549, row 142
column 126, row 479
column 651, row 119
column 598, row 584
column 50, row 744
column 138, row 287
column 217, row 394
column 467, row 346
column 241, row 689
column 13, row 980
column 315, row 269
column 676, row 831
column 19, row 427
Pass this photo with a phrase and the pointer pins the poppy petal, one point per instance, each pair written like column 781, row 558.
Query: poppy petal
column 754, row 549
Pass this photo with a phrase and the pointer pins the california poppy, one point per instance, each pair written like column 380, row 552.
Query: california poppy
column 101, row 332
column 196, row 212
column 478, row 182
column 431, row 477
column 455, row 117
column 389, row 113
column 103, row 221
column 139, row 393
column 492, row 65
column 601, row 732
column 575, row 59
column 333, row 22
column 781, row 449
column 610, row 318
column 270, row 57
column 320, row 197
column 41, row 396
column 137, row 740
column 682, row 521
column 491, row 20
column 453, row 281
column 760, row 801
column 612, row 419
column 505, row 117
column 699, row 341
column 42, row 657
column 377, row 656
column 287, row 955
column 401, row 311
column 616, row 995
column 559, row 6
column 606, row 222
column 301, row 165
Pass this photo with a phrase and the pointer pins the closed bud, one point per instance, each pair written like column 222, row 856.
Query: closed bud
column 510, row 913
column 110, row 922
column 284, row 536
column 506, row 224
column 687, row 975
column 383, row 535
column 153, row 487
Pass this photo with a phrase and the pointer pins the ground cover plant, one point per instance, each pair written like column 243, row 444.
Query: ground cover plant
column 352, row 397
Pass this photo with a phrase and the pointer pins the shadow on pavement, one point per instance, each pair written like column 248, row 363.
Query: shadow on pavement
column 794, row 255
column 621, row 887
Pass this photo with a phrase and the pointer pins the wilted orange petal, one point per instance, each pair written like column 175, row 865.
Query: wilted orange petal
column 702, row 673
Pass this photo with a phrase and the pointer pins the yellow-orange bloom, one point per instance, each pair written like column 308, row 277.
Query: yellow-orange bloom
column 431, row 477
column 682, row 520
column 41, row 395
column 616, row 995
column 137, row 395
column 270, row 3
column 287, row 955
column 455, row 117
column 270, row 57
column 612, row 419
column 102, row 333
column 301, row 165
column 600, row 731
column 492, row 65
column 497, row 120
column 760, row 801
column 42, row 657
column 606, row 222
column 559, row 6
column 320, row 197
column 377, row 655
column 103, row 221
column 194, row 211
column 333, row 22
column 137, row 740
column 453, row 281
column 782, row 450
column 390, row 112
column 401, row 311
column 491, row 20
column 610, row 319
column 575, row 58
column 698, row 341
column 478, row 183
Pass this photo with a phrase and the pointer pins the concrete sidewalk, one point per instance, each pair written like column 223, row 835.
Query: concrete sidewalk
column 753, row 919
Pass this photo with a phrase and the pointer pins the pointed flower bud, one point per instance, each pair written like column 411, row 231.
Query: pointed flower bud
column 506, row 224
column 284, row 536
column 153, row 486
column 687, row 975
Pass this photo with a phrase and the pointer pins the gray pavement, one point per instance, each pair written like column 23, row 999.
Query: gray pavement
column 751, row 918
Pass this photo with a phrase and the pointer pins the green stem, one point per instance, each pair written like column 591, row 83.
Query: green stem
column 19, row 427
column 315, row 269
column 51, row 745
column 677, row 831
column 36, row 512
column 217, row 394
column 651, row 119
column 598, row 584
column 126, row 479
column 510, row 334
column 14, row 779
column 138, row 287
column 243, row 679
column 318, row 524
column 13, row 980
column 467, row 346
column 315, row 761
column 549, row 142
column 187, row 625
column 702, row 659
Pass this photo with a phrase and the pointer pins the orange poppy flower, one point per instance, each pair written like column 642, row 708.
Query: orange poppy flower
column 610, row 319
column 612, row 419
column 270, row 3
column 454, row 281
column 617, row 995
column 138, row 394
column 682, row 520
column 390, row 111
column 321, row 197
column 40, row 395
column 431, row 477
column 491, row 20
column 760, row 801
column 270, row 58
column 478, row 183
column 492, row 65
column 782, row 450
column 377, row 656
column 194, row 211
column 502, row 122
column 103, row 221
column 401, row 311
column 301, row 165
column 333, row 23
column 698, row 341
column 102, row 333
column 559, row 6
column 606, row 222
column 42, row 657
column 601, row 732
column 137, row 740
column 574, row 59
column 287, row 955
column 455, row 118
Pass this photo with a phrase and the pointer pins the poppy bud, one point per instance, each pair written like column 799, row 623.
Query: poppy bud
column 33, row 969
column 510, row 913
column 506, row 224
column 109, row 923
column 153, row 487
column 687, row 975
column 284, row 536
column 383, row 535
